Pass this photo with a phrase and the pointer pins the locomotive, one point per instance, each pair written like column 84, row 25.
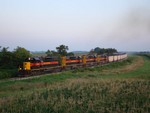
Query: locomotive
column 36, row 65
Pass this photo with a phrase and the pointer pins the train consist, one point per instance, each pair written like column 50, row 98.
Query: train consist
column 36, row 65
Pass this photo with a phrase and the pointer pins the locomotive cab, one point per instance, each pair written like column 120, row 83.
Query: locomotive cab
column 25, row 68
column 33, row 60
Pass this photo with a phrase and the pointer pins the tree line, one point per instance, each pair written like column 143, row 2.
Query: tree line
column 60, row 51
column 12, row 59
column 101, row 51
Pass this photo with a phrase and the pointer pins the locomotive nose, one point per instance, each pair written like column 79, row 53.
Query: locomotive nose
column 26, row 66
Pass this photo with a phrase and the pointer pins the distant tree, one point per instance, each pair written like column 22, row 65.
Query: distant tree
column 49, row 53
column 92, row 52
column 6, row 58
column 103, row 51
column 5, row 49
column 54, row 53
column 21, row 54
column 62, row 50
column 70, row 54
column 108, row 51
column 97, row 50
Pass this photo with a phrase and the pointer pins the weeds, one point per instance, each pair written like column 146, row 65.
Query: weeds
column 86, row 95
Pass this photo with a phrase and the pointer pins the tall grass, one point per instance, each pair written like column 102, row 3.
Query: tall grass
column 84, row 95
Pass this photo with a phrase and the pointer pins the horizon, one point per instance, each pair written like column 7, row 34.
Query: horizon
column 41, row 51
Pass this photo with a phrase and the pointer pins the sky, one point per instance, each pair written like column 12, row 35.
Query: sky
column 39, row 25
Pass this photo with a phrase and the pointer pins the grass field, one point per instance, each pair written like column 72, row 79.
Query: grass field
column 117, row 87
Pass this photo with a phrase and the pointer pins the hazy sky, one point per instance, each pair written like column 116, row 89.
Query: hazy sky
column 80, row 24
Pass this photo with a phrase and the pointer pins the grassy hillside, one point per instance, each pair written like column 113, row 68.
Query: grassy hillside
column 117, row 87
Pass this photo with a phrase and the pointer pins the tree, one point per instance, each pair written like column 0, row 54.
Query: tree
column 108, row 51
column 4, row 50
column 6, row 58
column 49, row 53
column 21, row 54
column 62, row 50
column 97, row 50
column 70, row 54
column 92, row 52
column 54, row 53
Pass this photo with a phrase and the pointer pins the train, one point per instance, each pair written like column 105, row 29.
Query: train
column 37, row 65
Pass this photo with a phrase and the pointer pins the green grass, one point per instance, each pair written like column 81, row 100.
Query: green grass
column 116, row 87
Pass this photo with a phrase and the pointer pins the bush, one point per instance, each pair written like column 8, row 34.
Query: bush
column 5, row 73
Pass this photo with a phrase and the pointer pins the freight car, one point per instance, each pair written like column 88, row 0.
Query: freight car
column 36, row 65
